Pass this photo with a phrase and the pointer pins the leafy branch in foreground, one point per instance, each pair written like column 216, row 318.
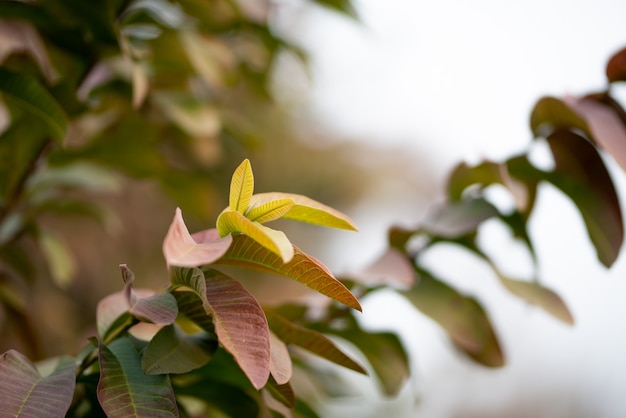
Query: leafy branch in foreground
column 205, row 327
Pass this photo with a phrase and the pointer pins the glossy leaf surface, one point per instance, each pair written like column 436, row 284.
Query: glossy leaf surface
column 246, row 252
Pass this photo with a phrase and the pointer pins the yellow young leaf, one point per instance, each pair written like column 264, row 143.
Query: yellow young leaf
column 241, row 187
column 277, row 242
column 270, row 211
column 306, row 210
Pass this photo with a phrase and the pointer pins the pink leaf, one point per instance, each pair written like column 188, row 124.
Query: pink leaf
column 182, row 249
column 240, row 325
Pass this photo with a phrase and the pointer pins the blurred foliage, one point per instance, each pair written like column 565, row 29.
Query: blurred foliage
column 118, row 111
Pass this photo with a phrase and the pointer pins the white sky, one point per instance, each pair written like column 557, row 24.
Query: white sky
column 456, row 80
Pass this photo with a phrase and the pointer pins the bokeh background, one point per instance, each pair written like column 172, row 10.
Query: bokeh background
column 385, row 106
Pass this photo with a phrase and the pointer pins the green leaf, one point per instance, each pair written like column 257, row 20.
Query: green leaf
column 81, row 176
column 384, row 351
column 462, row 317
column 183, row 249
column 191, row 306
column 60, row 260
column 310, row 340
column 552, row 115
column 24, row 392
column 220, row 384
column 616, row 67
column 246, row 252
column 125, row 391
column 306, row 210
column 283, row 393
column 172, row 351
column 269, row 211
column 276, row 241
column 34, row 98
column 239, row 321
column 241, row 187
column 538, row 295
column 459, row 218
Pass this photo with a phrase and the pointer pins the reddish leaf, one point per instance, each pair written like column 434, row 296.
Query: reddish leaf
column 605, row 124
column 239, row 321
column 124, row 390
column 280, row 360
column 182, row 249
column 310, row 340
column 246, row 252
column 462, row 317
column 157, row 309
column 240, row 325
column 24, row 392
column 616, row 67
column 392, row 268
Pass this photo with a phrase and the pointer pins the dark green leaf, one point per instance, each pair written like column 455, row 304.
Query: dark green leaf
column 125, row 391
column 172, row 351
column 385, row 353
column 581, row 174
column 33, row 97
